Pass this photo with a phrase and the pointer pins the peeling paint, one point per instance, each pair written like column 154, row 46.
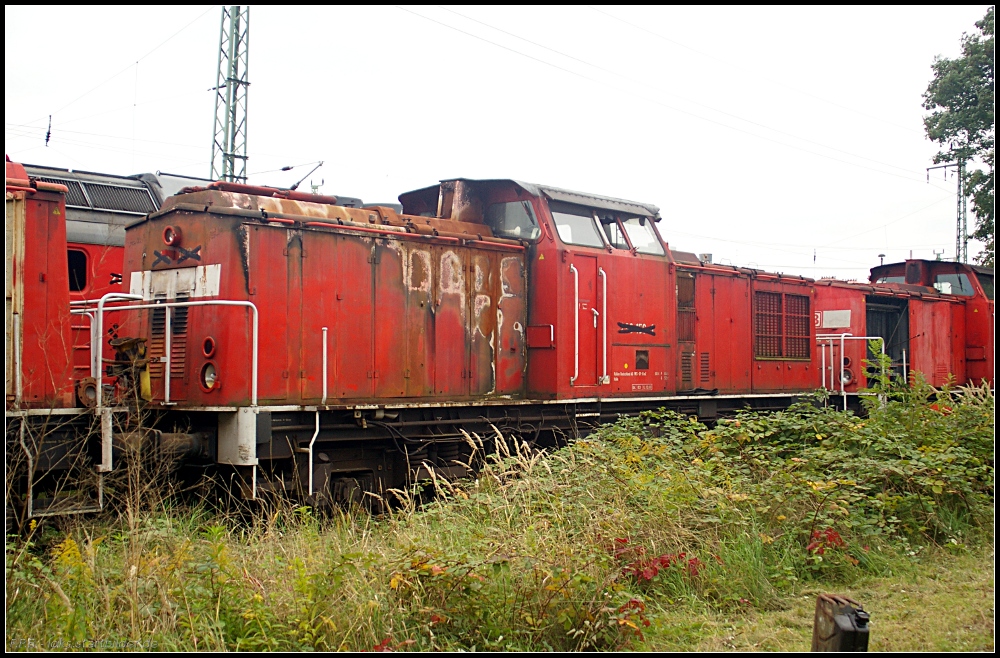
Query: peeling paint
column 417, row 271
column 452, row 280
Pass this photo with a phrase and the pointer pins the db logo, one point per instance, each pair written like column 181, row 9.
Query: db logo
column 816, row 319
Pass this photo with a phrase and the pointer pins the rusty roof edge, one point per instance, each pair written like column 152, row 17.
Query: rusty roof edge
column 567, row 196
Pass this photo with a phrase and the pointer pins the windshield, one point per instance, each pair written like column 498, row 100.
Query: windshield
column 642, row 235
column 954, row 284
column 986, row 281
column 577, row 229
column 515, row 220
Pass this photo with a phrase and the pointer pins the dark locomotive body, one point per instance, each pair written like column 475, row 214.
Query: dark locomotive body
column 327, row 351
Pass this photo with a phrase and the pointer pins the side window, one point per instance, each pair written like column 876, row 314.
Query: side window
column 642, row 235
column 954, row 284
column 577, row 227
column 614, row 232
column 986, row 281
column 77, row 270
column 891, row 279
column 515, row 220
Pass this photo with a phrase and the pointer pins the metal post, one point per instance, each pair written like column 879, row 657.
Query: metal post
column 312, row 441
column 229, row 128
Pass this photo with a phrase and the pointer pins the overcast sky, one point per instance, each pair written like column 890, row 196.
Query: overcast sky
column 789, row 139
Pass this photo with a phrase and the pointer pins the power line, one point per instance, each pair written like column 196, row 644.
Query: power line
column 688, row 100
column 660, row 103
column 731, row 64
column 160, row 45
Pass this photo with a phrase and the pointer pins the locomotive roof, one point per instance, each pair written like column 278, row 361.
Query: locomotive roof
column 566, row 196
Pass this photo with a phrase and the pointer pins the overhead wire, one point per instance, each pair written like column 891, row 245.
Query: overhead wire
column 731, row 64
column 654, row 101
column 131, row 64
column 683, row 98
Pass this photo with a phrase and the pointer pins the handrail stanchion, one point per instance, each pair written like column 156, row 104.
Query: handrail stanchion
column 604, row 315
column 576, row 324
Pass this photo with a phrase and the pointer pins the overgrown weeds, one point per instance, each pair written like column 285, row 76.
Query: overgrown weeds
column 588, row 547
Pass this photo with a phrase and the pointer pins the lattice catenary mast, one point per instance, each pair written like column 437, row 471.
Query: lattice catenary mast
column 229, row 134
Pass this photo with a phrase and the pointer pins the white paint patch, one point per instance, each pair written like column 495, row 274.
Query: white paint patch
column 200, row 281
column 424, row 259
column 836, row 319
column 482, row 303
column 453, row 279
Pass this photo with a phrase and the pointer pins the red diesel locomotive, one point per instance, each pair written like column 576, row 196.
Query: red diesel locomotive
column 310, row 347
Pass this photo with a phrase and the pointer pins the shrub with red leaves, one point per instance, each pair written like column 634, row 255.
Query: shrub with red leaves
column 824, row 539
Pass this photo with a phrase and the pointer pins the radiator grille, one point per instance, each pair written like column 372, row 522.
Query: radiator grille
column 705, row 373
column 782, row 326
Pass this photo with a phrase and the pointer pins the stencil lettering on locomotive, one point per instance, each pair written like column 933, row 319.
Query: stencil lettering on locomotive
column 640, row 328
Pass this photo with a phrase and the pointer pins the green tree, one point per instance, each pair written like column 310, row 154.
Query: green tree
column 961, row 98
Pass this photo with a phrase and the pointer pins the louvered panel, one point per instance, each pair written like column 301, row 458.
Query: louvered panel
column 178, row 342
column 74, row 193
column 705, row 371
column 120, row 198
column 687, row 370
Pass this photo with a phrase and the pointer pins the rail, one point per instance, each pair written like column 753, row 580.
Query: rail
column 167, row 306
column 576, row 324
column 604, row 312
column 829, row 340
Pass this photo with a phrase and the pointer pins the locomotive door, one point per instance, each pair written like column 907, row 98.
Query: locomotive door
column 686, row 322
column 482, row 322
column 451, row 323
column 587, row 318
column 391, row 367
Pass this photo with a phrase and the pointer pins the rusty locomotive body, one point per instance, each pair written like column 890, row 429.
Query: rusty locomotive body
column 303, row 345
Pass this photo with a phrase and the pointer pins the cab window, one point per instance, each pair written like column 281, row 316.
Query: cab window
column 642, row 235
column 514, row 220
column 891, row 279
column 77, row 270
column 576, row 226
column 954, row 284
column 614, row 232
column 986, row 281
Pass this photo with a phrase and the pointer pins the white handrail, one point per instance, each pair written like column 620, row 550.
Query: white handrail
column 166, row 358
column 213, row 302
column 828, row 340
column 96, row 347
column 576, row 324
column 604, row 303
column 324, row 377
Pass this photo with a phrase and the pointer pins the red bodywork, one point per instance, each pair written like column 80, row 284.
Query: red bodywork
column 39, row 359
column 942, row 332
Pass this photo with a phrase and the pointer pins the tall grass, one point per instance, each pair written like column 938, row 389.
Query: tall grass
column 580, row 548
